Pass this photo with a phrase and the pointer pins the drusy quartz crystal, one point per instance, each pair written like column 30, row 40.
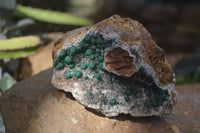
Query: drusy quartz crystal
column 115, row 67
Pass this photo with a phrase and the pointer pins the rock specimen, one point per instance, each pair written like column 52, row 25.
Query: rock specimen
column 115, row 67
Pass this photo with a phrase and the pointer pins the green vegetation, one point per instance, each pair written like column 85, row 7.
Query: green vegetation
column 18, row 53
column 180, row 79
column 19, row 47
column 52, row 16
column 19, row 43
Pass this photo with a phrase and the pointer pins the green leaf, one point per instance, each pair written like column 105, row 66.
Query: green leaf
column 19, row 43
column 18, row 53
column 52, row 16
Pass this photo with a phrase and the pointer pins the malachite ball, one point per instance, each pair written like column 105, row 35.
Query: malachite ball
column 92, row 57
column 62, row 53
column 101, row 66
column 68, row 60
column 92, row 65
column 60, row 65
column 93, row 47
column 98, row 50
column 99, row 40
column 72, row 50
column 87, row 38
column 71, row 66
column 85, row 77
column 56, row 62
column 97, row 76
column 78, row 73
column 68, row 75
column 81, row 43
column 155, row 104
column 93, row 41
column 126, row 98
column 89, row 52
column 128, row 92
column 83, row 66
column 86, row 45
column 101, row 58
column 112, row 101
column 79, row 48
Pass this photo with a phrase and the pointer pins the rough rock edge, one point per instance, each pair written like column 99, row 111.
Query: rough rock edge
column 73, row 37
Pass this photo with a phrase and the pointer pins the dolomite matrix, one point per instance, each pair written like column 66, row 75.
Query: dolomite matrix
column 115, row 67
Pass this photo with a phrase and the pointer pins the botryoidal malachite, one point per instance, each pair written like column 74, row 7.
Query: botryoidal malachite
column 116, row 68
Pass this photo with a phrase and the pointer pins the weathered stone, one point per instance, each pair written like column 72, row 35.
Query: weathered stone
column 130, row 74
column 35, row 106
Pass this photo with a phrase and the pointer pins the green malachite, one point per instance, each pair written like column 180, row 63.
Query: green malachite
column 126, row 98
column 93, row 47
column 62, row 53
column 92, row 57
column 86, row 45
column 92, row 65
column 98, row 50
column 89, row 52
column 68, row 60
column 97, row 76
column 59, row 66
column 128, row 92
column 83, row 66
column 72, row 73
column 85, row 77
column 72, row 50
column 101, row 66
column 112, row 101
column 101, row 58
column 71, row 66
column 155, row 104
column 87, row 60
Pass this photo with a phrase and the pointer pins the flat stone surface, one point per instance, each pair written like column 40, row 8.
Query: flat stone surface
column 35, row 106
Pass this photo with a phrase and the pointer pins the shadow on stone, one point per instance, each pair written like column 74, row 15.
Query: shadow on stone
column 69, row 95
column 95, row 112
column 124, row 117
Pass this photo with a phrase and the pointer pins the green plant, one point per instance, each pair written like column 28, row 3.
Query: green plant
column 52, row 16
column 19, row 47
column 181, row 79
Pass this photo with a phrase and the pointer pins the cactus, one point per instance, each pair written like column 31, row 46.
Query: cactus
column 52, row 16
column 19, row 47
column 19, row 43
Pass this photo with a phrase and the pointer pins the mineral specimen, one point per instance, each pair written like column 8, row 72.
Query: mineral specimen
column 116, row 68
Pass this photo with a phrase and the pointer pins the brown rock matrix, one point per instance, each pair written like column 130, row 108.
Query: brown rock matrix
column 115, row 67
column 35, row 106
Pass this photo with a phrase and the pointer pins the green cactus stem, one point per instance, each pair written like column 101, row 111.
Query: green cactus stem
column 19, row 43
column 18, row 53
column 52, row 16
